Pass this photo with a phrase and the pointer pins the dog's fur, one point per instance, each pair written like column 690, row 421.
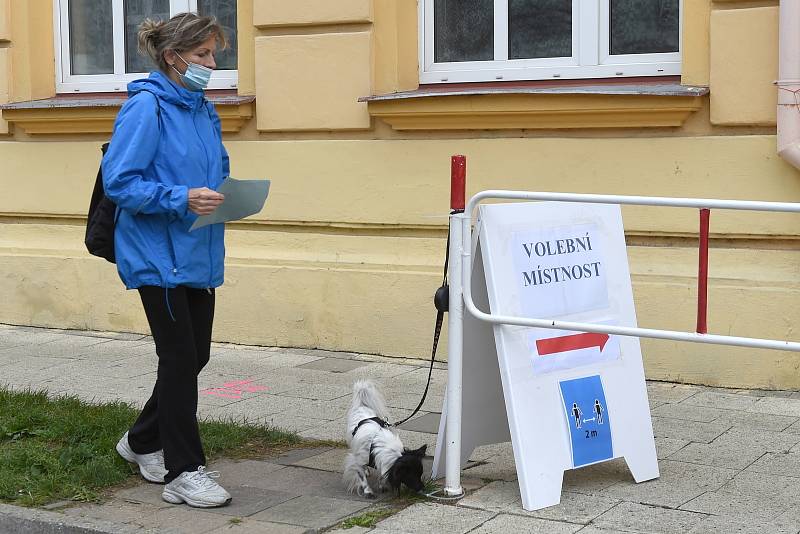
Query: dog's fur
column 395, row 464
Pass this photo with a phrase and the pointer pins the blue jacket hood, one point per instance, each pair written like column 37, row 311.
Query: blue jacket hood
column 164, row 88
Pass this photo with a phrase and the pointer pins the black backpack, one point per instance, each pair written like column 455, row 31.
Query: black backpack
column 101, row 220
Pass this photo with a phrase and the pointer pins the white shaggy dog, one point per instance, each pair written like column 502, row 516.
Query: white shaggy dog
column 374, row 444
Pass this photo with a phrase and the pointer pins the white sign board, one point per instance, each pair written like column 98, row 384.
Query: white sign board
column 570, row 398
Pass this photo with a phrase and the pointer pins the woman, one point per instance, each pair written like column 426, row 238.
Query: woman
column 163, row 164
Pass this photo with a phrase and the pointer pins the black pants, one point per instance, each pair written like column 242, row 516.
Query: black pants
column 169, row 419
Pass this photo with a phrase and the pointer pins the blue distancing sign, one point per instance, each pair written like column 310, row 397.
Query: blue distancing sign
column 588, row 420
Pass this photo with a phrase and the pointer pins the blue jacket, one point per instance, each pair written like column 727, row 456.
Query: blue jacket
column 166, row 141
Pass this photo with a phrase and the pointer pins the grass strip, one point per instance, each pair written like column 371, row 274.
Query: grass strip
column 62, row 448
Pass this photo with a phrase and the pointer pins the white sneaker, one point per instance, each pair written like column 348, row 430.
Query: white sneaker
column 151, row 466
column 196, row 488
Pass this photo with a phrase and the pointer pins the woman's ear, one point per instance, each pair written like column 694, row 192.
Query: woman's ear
column 170, row 57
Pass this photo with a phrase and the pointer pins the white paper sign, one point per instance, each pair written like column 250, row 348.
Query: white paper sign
column 560, row 270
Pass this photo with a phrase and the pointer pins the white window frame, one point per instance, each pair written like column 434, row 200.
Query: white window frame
column 118, row 81
column 590, row 52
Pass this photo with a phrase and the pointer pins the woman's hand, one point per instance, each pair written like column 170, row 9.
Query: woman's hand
column 203, row 201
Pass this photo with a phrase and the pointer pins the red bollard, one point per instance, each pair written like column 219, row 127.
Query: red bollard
column 458, row 182
column 702, row 274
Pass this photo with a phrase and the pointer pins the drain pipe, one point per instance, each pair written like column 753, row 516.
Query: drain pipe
column 789, row 83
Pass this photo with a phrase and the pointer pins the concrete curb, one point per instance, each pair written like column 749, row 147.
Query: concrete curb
column 18, row 520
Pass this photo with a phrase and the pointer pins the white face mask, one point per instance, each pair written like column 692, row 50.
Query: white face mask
column 196, row 77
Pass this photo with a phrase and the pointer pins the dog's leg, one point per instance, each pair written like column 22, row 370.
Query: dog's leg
column 355, row 474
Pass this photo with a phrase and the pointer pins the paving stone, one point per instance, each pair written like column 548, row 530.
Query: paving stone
column 737, row 448
column 634, row 517
column 249, row 386
column 667, row 427
column 505, row 523
column 669, row 392
column 117, row 510
column 250, row 526
column 687, row 412
column 331, row 460
column 409, row 401
column 272, row 404
column 332, row 430
column 351, row 530
column 573, row 508
column 495, row 496
column 294, row 423
column 428, row 423
column 723, row 401
column 490, row 470
column 778, row 463
column 764, row 485
column 679, row 483
column 245, row 472
column 171, row 519
column 668, row 446
column 297, row 455
column 311, row 511
column 757, row 421
column 307, row 482
column 794, row 428
column 752, row 508
column 431, row 517
column 318, row 392
column 249, row 500
column 383, row 370
column 333, row 365
column 144, row 494
column 503, row 496
column 776, row 406
column 732, row 525
column 720, row 455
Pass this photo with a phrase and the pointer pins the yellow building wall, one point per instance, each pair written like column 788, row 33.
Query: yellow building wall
column 348, row 251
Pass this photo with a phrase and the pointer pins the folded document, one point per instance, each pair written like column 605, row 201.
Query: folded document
column 242, row 198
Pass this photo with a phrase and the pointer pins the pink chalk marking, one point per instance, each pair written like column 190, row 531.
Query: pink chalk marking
column 234, row 390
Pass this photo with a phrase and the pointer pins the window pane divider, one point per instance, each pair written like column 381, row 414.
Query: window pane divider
column 589, row 42
column 500, row 31
column 118, row 18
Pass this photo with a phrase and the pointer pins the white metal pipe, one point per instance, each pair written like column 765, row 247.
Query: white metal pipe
column 607, row 329
column 455, row 343
column 711, row 203
column 789, row 82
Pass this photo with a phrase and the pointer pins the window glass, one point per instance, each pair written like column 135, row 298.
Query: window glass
column 539, row 28
column 463, row 30
column 225, row 11
column 91, row 36
column 643, row 26
column 135, row 13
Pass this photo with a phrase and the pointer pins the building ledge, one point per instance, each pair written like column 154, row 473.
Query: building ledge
column 96, row 114
column 578, row 106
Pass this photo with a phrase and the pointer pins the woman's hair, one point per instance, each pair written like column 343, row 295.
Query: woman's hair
column 182, row 32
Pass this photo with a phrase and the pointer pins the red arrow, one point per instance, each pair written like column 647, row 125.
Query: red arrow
column 555, row 345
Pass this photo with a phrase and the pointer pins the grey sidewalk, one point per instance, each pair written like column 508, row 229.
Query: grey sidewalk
column 729, row 459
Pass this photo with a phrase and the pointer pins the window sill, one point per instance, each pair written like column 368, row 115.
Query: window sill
column 568, row 106
column 96, row 114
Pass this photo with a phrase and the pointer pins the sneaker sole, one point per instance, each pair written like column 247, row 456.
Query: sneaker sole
column 129, row 456
column 175, row 498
